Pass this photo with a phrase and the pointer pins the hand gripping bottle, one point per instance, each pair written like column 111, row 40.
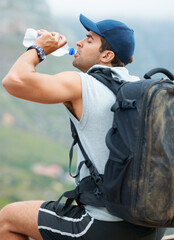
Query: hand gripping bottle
column 31, row 35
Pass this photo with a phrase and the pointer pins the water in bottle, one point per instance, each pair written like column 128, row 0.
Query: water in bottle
column 31, row 35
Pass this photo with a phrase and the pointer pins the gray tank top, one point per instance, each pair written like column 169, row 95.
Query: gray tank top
column 93, row 126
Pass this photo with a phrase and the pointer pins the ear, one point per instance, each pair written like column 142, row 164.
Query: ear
column 107, row 56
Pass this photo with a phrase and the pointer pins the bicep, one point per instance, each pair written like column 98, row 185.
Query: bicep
column 43, row 88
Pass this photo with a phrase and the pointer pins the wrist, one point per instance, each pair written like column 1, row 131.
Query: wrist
column 40, row 52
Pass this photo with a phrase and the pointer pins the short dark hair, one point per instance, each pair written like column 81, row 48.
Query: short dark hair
column 116, row 62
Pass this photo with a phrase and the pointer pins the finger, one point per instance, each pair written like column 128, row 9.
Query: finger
column 42, row 31
column 63, row 41
column 56, row 36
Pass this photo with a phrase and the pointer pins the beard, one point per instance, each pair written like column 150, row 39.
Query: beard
column 77, row 63
column 83, row 65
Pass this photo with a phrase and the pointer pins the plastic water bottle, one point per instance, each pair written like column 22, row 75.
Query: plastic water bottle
column 31, row 35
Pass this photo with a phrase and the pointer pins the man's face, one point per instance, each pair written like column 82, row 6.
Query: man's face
column 88, row 53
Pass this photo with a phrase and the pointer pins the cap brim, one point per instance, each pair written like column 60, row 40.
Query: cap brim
column 89, row 25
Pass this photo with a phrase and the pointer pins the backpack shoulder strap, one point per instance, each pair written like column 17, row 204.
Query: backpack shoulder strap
column 92, row 169
column 104, row 75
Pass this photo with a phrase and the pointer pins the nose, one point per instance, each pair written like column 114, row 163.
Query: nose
column 79, row 43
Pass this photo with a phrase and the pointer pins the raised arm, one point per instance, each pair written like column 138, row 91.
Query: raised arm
column 24, row 82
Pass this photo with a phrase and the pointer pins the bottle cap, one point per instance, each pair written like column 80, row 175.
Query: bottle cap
column 72, row 51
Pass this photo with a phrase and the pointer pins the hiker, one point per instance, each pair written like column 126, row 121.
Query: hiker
column 109, row 44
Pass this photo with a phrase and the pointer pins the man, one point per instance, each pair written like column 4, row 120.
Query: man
column 108, row 44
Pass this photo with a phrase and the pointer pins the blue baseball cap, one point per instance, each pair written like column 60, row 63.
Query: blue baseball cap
column 117, row 34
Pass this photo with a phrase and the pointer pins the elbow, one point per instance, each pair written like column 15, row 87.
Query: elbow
column 10, row 83
column 5, row 82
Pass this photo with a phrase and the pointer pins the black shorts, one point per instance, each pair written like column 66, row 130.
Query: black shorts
column 77, row 224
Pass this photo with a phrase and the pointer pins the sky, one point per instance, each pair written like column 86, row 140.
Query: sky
column 97, row 9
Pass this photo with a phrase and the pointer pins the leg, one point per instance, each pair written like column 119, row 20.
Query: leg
column 77, row 224
column 19, row 221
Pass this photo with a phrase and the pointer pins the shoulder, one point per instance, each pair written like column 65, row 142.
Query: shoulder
column 68, row 77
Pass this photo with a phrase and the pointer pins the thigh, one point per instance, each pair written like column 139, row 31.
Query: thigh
column 77, row 224
column 22, row 217
column 73, row 225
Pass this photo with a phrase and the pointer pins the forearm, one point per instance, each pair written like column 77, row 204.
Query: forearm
column 28, row 61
